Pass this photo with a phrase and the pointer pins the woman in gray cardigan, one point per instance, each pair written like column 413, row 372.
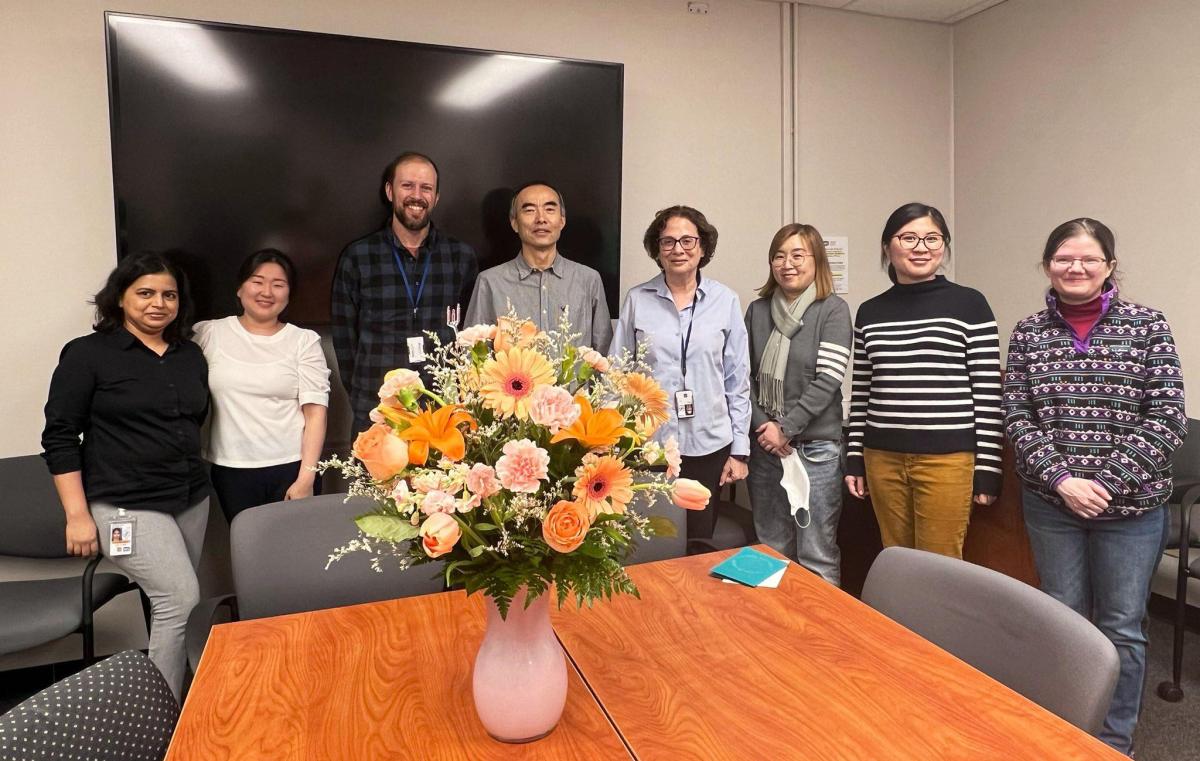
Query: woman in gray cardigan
column 800, row 345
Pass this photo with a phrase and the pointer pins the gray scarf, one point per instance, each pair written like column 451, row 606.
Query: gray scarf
column 773, row 366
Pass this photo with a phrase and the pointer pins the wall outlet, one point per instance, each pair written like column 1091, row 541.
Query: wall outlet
column 700, row 9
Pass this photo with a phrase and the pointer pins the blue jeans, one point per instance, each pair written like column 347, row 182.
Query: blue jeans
column 1102, row 570
column 814, row 547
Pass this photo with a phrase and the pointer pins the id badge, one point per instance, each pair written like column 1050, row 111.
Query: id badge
column 685, row 404
column 120, row 537
column 416, row 349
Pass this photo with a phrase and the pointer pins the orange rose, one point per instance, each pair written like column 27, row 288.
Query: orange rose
column 381, row 451
column 439, row 533
column 510, row 333
column 566, row 525
column 690, row 494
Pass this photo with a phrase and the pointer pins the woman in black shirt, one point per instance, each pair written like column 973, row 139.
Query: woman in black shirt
column 136, row 391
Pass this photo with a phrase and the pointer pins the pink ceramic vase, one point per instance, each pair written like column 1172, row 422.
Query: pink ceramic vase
column 520, row 680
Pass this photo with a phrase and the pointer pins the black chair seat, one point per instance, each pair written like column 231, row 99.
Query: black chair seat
column 120, row 708
column 46, row 609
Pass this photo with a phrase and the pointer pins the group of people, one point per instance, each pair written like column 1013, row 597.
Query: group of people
column 1092, row 399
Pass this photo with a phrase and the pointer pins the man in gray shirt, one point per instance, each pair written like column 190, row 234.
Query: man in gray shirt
column 540, row 283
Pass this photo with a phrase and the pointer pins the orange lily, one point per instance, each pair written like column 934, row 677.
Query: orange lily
column 594, row 430
column 437, row 429
column 511, row 332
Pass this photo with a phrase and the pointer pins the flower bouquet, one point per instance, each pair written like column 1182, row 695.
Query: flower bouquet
column 517, row 468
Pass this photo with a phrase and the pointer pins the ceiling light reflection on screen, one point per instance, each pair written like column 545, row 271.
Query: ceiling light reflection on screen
column 186, row 51
column 493, row 78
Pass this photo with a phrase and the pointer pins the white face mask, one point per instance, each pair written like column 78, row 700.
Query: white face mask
column 795, row 483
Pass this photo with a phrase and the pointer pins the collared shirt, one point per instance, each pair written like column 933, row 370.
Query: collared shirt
column 718, row 360
column 373, row 314
column 139, row 415
column 543, row 296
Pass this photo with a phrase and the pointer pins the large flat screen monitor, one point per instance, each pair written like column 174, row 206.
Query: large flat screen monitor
column 228, row 139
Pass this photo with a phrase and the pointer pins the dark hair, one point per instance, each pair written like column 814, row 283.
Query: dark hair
column 823, row 277
column 901, row 217
column 1093, row 228
column 512, row 206
column 110, row 316
column 252, row 262
column 708, row 233
column 389, row 173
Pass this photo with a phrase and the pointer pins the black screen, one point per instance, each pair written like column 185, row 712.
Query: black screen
column 228, row 139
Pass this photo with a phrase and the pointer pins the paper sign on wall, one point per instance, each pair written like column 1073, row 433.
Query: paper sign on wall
column 837, row 250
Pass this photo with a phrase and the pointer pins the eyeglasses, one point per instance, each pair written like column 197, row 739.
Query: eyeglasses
column 687, row 243
column 933, row 241
column 1090, row 264
column 792, row 258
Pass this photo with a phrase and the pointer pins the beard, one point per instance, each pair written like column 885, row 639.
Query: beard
column 403, row 216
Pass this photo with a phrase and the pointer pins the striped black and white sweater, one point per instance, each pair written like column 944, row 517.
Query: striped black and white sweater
column 1107, row 406
column 927, row 377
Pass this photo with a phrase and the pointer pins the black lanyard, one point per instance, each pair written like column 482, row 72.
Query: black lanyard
column 686, row 339
column 414, row 300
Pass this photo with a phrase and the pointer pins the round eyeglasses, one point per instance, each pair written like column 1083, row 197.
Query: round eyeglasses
column 932, row 241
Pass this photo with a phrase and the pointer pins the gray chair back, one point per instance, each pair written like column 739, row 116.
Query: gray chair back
column 1007, row 629
column 658, row 547
column 33, row 519
column 279, row 552
column 120, row 708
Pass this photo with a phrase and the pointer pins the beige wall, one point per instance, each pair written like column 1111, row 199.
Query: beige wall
column 1080, row 108
column 874, row 129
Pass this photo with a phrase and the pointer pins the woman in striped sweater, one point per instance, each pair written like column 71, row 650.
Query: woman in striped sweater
column 925, row 421
column 1093, row 402
column 799, row 349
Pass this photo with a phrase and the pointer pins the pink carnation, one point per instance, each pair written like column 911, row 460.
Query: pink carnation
column 476, row 333
column 598, row 361
column 397, row 381
column 523, row 465
column 438, row 501
column 553, row 407
column 671, row 452
column 481, row 480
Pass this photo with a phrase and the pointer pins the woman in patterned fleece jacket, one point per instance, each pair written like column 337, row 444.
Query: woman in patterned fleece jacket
column 1093, row 402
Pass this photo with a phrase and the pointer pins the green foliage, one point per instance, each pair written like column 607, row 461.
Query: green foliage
column 389, row 528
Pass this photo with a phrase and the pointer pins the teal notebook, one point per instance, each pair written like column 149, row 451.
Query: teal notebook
column 750, row 567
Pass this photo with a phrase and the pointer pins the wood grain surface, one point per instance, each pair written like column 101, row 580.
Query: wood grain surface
column 996, row 536
column 389, row 680
column 702, row 669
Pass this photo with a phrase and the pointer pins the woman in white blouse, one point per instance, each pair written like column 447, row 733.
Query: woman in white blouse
column 270, row 390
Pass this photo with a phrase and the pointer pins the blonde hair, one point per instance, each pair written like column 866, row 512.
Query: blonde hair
column 823, row 279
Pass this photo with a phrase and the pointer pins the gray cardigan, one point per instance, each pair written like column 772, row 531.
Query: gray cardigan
column 817, row 363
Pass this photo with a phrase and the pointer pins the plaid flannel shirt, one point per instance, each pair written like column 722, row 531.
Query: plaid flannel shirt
column 373, row 314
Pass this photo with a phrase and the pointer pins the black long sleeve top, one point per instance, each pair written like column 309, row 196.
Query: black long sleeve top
column 139, row 416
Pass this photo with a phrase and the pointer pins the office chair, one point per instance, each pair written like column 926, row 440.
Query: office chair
column 1007, row 629
column 34, row 528
column 1185, row 467
column 279, row 553
column 119, row 708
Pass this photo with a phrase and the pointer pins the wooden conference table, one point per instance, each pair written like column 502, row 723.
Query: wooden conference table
column 697, row 668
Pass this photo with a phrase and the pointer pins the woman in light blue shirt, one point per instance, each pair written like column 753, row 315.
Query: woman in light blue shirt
column 697, row 350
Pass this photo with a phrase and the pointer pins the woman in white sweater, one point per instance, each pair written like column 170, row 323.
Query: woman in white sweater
column 270, row 390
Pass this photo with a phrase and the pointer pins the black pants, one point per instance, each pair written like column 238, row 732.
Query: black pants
column 242, row 488
column 707, row 470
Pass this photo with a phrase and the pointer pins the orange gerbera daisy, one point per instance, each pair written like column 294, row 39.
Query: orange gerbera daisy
column 652, row 402
column 437, row 429
column 510, row 379
column 604, row 486
column 603, row 428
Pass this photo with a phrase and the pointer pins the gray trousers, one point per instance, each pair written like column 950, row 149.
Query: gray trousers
column 166, row 554
column 814, row 547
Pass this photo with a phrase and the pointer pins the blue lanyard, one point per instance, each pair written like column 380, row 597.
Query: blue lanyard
column 414, row 300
